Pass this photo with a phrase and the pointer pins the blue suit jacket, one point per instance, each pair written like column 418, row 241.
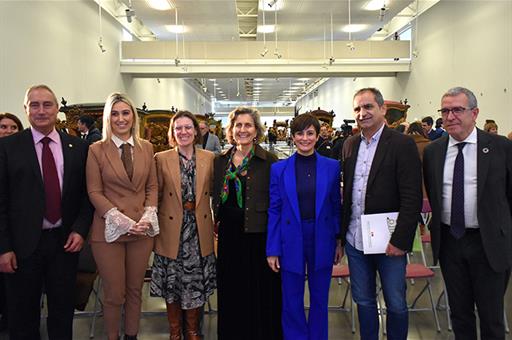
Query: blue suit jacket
column 284, row 238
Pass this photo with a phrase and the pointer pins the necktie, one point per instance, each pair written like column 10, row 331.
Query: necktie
column 51, row 184
column 126, row 157
column 457, row 223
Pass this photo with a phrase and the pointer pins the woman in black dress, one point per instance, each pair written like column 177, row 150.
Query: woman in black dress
column 249, row 293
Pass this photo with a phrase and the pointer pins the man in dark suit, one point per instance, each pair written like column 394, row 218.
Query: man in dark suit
column 45, row 216
column 87, row 127
column 382, row 173
column 468, row 176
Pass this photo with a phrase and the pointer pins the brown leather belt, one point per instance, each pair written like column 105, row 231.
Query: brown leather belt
column 189, row 205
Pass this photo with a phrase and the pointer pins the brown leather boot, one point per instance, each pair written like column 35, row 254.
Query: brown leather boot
column 174, row 315
column 192, row 324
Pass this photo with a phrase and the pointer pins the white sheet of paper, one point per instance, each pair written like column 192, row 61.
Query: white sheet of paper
column 377, row 230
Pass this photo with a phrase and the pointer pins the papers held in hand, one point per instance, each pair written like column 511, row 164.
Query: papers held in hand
column 377, row 230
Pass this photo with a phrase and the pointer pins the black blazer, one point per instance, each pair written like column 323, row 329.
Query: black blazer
column 22, row 192
column 494, row 195
column 394, row 184
column 257, row 187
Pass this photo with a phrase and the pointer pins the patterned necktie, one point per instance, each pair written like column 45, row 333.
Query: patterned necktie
column 457, row 223
column 126, row 157
column 51, row 184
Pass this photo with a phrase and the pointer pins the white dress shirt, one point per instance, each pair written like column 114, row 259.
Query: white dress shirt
column 470, row 179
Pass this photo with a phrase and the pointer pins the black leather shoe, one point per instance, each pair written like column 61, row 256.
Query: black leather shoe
column 130, row 337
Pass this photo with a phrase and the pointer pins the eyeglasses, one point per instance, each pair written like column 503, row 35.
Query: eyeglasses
column 457, row 110
column 366, row 107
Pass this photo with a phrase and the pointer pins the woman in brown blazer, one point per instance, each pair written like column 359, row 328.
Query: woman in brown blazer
column 184, row 263
column 122, row 186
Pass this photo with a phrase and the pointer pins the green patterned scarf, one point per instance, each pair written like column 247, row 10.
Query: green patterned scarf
column 233, row 172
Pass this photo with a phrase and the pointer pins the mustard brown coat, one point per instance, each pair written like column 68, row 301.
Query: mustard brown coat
column 170, row 206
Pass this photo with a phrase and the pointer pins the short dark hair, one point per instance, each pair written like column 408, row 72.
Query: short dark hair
column 416, row 129
column 376, row 94
column 13, row 118
column 439, row 122
column 184, row 114
column 428, row 120
column 303, row 121
column 87, row 120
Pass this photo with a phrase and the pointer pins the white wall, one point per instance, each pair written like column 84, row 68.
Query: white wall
column 56, row 43
column 460, row 43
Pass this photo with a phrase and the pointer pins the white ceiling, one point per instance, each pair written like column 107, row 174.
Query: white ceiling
column 297, row 20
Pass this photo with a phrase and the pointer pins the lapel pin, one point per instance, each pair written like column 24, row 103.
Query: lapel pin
column 485, row 150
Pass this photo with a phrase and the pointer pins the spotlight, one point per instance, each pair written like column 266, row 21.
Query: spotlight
column 272, row 3
column 264, row 52
column 382, row 12
column 277, row 54
column 100, row 45
column 331, row 60
column 351, row 46
column 177, row 61
column 415, row 53
column 129, row 14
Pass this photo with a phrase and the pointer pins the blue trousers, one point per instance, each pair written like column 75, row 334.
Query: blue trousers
column 295, row 325
column 363, row 269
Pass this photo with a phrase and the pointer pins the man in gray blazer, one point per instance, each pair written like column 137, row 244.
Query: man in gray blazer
column 210, row 141
column 468, row 176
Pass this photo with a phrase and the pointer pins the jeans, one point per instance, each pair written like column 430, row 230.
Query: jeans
column 363, row 269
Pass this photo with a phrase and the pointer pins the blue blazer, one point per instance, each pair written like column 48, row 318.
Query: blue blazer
column 284, row 238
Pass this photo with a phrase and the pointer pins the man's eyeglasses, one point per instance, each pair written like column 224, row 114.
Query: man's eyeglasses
column 458, row 110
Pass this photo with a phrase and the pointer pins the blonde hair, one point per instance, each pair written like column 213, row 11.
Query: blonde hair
column 260, row 130
column 111, row 100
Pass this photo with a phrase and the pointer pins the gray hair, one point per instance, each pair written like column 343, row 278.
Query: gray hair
column 455, row 91
column 376, row 94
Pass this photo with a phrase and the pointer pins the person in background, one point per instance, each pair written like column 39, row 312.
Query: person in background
column 183, row 270
column 381, row 174
column 303, row 221
column 248, row 291
column 439, row 126
column 427, row 123
column 324, row 145
column 123, row 188
column 88, row 129
column 9, row 124
column 45, row 217
column 468, row 179
column 491, row 127
column 209, row 142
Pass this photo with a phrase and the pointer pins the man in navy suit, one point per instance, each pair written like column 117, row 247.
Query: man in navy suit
column 468, row 176
column 45, row 216
column 382, row 173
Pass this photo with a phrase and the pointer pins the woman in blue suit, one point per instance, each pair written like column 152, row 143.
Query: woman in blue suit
column 303, row 221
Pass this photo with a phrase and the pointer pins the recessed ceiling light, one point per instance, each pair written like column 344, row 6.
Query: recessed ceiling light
column 161, row 5
column 259, row 79
column 354, row 28
column 266, row 28
column 374, row 5
column 175, row 28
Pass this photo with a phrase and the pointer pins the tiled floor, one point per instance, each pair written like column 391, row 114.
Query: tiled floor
column 154, row 327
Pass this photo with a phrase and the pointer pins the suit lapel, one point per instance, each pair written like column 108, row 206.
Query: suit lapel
column 139, row 165
column 291, row 185
column 68, row 158
column 28, row 144
column 483, row 157
column 379, row 156
column 112, row 154
column 440, row 157
column 351, row 166
column 321, row 185
column 173, row 168
column 200, row 174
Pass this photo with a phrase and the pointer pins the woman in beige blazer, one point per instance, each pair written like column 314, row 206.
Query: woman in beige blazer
column 184, row 263
column 122, row 186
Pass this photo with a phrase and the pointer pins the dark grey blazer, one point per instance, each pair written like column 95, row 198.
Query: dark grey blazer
column 394, row 184
column 494, row 191
column 22, row 192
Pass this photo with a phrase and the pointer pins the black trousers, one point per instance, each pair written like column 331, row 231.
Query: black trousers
column 470, row 281
column 52, row 271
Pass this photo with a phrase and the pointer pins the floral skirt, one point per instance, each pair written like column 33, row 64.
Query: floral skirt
column 189, row 279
